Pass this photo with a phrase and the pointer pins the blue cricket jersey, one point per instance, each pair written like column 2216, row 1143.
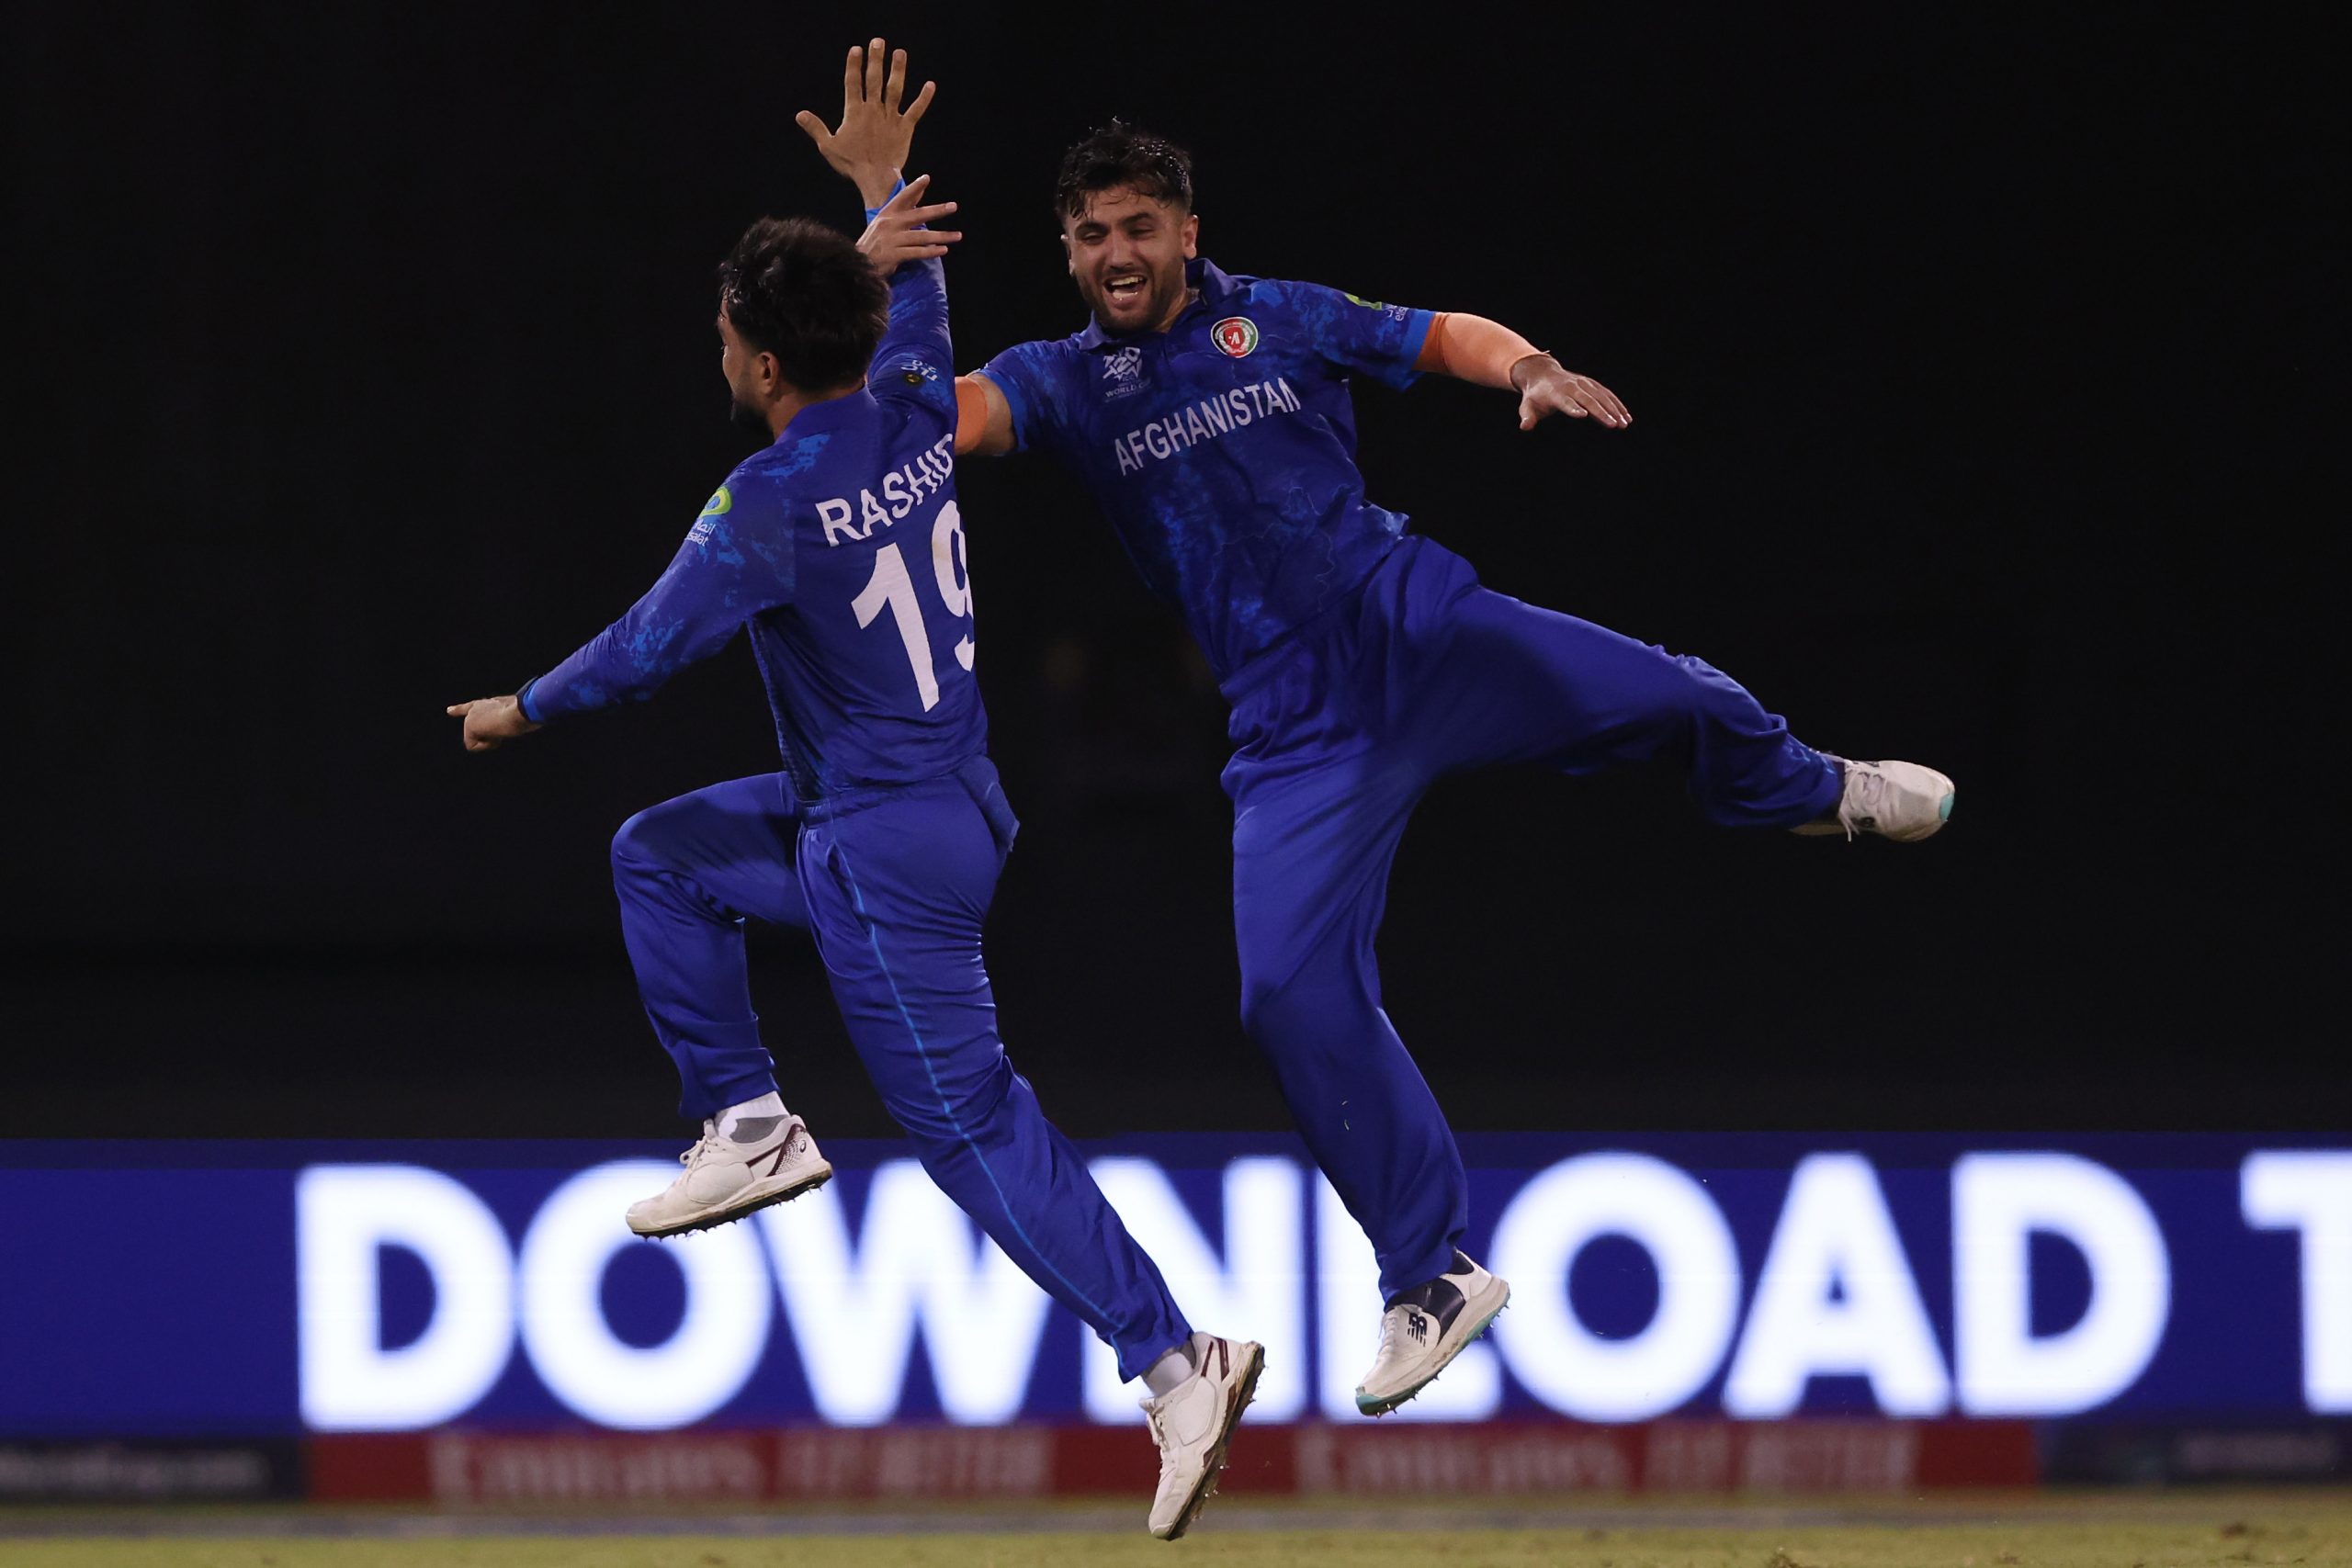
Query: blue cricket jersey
column 841, row 548
column 1224, row 448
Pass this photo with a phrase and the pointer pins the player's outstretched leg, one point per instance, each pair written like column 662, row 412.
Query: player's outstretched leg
column 898, row 892
column 1490, row 680
column 1902, row 801
column 688, row 872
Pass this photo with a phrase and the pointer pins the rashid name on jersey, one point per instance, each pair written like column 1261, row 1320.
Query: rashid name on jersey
column 841, row 548
column 1222, row 449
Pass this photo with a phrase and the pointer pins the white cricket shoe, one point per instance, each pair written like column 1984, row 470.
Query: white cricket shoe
column 1425, row 1327
column 1902, row 801
column 1193, row 1422
column 726, row 1179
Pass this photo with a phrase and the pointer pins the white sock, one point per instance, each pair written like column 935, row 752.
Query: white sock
column 1166, row 1374
column 768, row 1104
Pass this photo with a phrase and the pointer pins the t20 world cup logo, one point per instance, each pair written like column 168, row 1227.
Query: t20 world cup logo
column 1122, row 373
column 1236, row 335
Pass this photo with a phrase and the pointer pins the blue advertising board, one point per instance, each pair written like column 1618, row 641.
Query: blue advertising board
column 212, row 1289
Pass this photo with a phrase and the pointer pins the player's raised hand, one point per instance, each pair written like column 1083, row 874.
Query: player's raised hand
column 1547, row 388
column 869, row 146
column 491, row 722
column 896, row 236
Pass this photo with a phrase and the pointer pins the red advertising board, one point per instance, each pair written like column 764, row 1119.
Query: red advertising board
column 947, row 1464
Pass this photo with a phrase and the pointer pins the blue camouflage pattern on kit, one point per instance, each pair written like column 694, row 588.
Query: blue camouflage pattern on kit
column 789, row 545
column 1223, row 450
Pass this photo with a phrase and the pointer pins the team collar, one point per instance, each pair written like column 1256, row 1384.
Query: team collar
column 815, row 418
column 1199, row 273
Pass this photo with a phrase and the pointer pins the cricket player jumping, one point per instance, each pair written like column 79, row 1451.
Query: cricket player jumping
column 838, row 547
column 1209, row 413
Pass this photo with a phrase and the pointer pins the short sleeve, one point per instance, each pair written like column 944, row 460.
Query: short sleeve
column 1033, row 375
column 1357, row 336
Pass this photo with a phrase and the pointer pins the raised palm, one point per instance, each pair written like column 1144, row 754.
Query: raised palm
column 870, row 144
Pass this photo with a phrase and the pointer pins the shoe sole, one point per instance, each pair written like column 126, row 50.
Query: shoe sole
column 751, row 1202
column 1943, row 817
column 1383, row 1404
column 1244, row 1392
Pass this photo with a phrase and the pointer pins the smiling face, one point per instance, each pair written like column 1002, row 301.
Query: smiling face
column 1127, row 255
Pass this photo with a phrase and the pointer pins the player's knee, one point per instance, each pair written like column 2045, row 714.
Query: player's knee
column 1694, row 693
column 983, row 1105
column 959, row 1109
column 638, row 847
column 1260, row 1006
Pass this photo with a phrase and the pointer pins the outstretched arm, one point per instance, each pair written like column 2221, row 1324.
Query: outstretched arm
column 895, row 242
column 907, row 255
column 870, row 149
column 718, row 580
column 1489, row 354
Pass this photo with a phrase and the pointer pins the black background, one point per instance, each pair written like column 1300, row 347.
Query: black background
column 1985, row 373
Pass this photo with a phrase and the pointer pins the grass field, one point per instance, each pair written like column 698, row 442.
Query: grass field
column 2084, row 1530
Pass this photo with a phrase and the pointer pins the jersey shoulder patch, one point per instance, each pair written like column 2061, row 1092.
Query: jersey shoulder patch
column 909, row 371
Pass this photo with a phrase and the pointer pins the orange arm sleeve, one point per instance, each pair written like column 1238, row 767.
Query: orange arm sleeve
column 1472, row 348
column 971, row 414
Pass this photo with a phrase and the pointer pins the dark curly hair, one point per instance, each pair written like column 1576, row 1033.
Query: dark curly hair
column 1117, row 156
column 803, row 292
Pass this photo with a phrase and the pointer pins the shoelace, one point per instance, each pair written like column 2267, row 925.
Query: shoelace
column 1159, row 1433
column 1870, row 797
column 1868, row 788
column 709, row 1141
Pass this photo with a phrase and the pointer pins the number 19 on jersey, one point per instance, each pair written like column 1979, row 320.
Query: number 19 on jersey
column 890, row 585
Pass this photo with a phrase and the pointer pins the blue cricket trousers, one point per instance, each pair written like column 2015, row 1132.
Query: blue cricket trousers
column 1339, row 729
column 894, row 885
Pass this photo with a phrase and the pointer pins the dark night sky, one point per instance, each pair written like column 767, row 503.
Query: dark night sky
column 1985, row 373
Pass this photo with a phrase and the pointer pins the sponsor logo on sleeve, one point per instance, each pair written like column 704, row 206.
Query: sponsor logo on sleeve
column 1394, row 312
column 718, row 505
